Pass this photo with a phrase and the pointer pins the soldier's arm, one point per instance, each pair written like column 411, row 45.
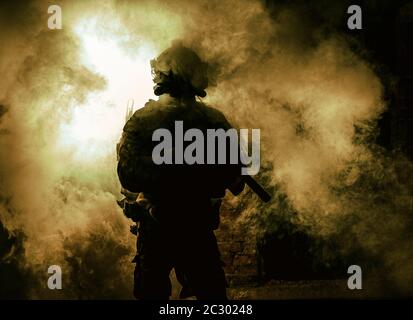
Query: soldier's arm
column 237, row 181
column 135, row 168
column 234, row 181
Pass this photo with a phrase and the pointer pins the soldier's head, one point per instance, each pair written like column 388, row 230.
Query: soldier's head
column 179, row 72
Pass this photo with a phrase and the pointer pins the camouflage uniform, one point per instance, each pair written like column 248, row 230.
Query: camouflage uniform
column 184, row 202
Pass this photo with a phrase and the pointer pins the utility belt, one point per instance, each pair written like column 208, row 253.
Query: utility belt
column 140, row 207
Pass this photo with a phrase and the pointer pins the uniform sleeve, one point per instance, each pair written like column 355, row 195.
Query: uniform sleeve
column 231, row 173
column 135, row 165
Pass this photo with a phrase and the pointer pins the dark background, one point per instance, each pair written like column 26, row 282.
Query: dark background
column 386, row 42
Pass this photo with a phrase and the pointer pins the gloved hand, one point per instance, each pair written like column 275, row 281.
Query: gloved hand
column 135, row 206
column 130, row 196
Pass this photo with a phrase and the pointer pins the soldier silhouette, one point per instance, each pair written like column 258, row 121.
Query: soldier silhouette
column 175, row 205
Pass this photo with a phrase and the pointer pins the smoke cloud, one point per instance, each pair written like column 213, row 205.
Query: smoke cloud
column 62, row 99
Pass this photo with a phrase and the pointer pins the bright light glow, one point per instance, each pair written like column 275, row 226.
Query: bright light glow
column 96, row 125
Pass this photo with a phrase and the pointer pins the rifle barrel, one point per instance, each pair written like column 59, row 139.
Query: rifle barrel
column 256, row 187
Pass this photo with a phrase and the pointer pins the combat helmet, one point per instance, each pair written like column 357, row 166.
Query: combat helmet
column 180, row 72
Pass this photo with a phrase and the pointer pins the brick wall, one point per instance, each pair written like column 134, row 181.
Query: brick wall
column 402, row 114
column 238, row 252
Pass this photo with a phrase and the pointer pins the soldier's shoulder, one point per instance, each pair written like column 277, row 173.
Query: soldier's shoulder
column 148, row 109
column 149, row 116
column 214, row 114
